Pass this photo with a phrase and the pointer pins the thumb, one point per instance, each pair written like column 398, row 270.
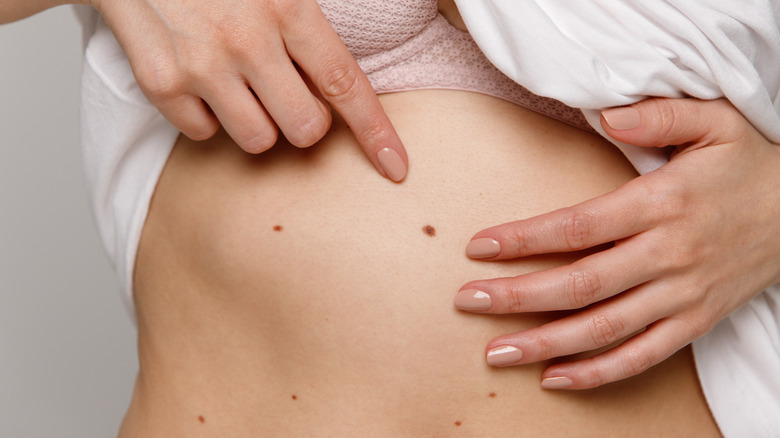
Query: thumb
column 660, row 122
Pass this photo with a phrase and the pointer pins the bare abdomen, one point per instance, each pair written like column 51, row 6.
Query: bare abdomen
column 297, row 293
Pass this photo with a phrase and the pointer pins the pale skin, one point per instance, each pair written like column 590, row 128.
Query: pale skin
column 201, row 65
column 271, row 302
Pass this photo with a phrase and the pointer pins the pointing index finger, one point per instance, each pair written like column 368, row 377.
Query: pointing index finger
column 337, row 76
column 347, row 89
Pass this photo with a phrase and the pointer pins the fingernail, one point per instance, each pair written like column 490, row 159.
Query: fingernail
column 504, row 355
column 472, row 299
column 483, row 248
column 392, row 164
column 556, row 383
column 622, row 118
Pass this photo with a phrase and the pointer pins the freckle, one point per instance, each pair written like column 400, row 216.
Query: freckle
column 429, row 230
column 457, row 423
column 201, row 419
column 295, row 397
column 492, row 395
column 277, row 228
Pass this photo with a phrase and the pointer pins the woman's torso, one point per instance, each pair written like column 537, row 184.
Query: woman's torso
column 297, row 293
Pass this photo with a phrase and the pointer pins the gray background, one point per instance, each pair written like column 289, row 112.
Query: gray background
column 67, row 346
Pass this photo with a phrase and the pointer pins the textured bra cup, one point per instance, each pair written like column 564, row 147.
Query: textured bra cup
column 372, row 26
column 405, row 45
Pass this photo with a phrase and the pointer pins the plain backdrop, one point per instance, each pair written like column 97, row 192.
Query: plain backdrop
column 67, row 346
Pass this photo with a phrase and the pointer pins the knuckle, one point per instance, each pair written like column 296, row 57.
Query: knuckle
column 688, row 295
column 682, row 257
column 638, row 361
column 708, row 319
column 593, row 377
column 669, row 205
column 519, row 238
column 700, row 295
column 340, row 82
column 309, row 132
column 606, row 329
column 284, row 10
column 699, row 324
column 516, row 297
column 238, row 40
column 582, row 288
column 199, row 64
column 666, row 199
column 202, row 131
column 160, row 81
column 375, row 129
column 200, row 72
column 673, row 202
column 577, row 230
column 261, row 141
column 667, row 117
column 544, row 347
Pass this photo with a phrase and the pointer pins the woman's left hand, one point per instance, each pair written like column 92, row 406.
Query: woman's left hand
column 693, row 241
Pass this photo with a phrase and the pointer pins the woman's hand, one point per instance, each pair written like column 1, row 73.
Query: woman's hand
column 251, row 65
column 693, row 241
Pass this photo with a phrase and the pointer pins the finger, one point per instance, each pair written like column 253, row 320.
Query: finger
column 661, row 122
column 242, row 116
column 190, row 115
column 589, row 330
column 302, row 117
column 165, row 86
column 632, row 208
column 630, row 358
column 338, row 77
column 584, row 282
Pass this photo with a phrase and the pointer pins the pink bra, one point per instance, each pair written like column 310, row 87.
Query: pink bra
column 407, row 45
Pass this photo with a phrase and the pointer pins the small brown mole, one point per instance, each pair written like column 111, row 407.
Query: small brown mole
column 429, row 230
column 492, row 395
column 458, row 423
column 278, row 228
column 201, row 419
column 295, row 397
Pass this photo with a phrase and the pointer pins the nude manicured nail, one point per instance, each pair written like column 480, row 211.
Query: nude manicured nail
column 504, row 355
column 556, row 383
column 622, row 118
column 392, row 164
column 472, row 299
column 483, row 248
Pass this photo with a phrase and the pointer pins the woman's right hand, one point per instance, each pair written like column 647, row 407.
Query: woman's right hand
column 251, row 65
